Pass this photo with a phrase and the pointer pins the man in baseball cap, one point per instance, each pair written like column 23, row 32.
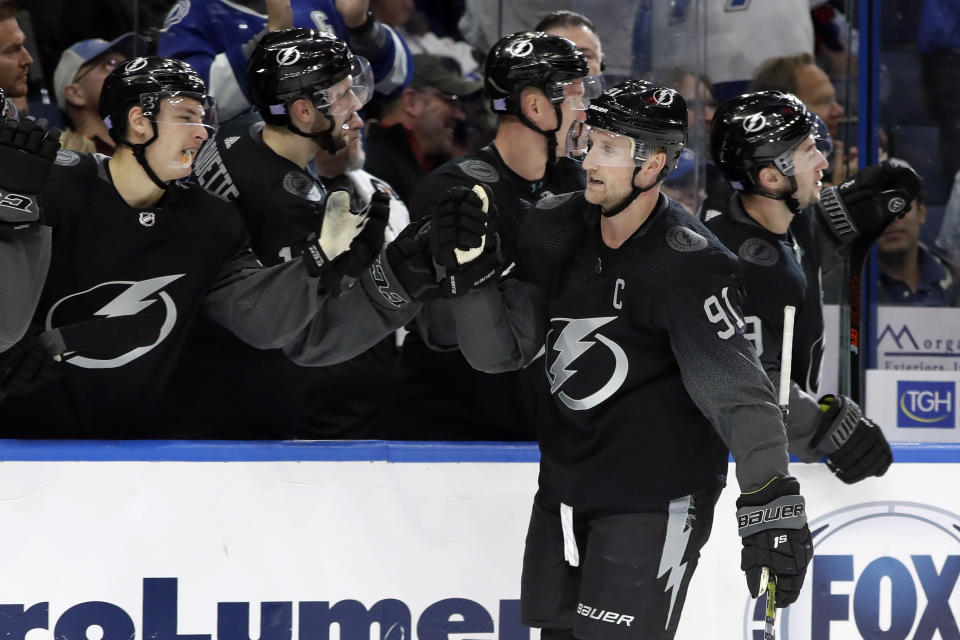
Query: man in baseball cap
column 76, row 84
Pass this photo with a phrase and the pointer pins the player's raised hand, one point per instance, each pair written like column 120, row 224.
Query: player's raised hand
column 27, row 151
column 279, row 15
column 353, row 12
column 464, row 242
column 773, row 528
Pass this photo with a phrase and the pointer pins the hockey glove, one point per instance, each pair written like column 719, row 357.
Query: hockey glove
column 863, row 206
column 410, row 260
column 773, row 529
column 854, row 445
column 464, row 242
column 28, row 365
column 348, row 242
column 27, row 150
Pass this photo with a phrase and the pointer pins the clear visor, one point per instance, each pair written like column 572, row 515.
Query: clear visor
column 599, row 147
column 576, row 94
column 822, row 134
column 350, row 94
column 194, row 113
column 804, row 157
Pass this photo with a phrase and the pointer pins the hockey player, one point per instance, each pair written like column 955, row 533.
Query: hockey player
column 651, row 382
column 528, row 76
column 264, row 168
column 217, row 36
column 24, row 240
column 784, row 228
column 137, row 256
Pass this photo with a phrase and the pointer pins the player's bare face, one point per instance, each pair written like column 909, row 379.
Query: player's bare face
column 609, row 167
column 809, row 165
column 181, row 130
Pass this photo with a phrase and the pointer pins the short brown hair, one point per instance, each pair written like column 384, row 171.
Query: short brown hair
column 780, row 74
column 8, row 9
column 563, row 18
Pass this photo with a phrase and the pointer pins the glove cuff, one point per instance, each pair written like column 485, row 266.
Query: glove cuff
column 838, row 423
column 785, row 512
column 314, row 259
column 836, row 215
column 383, row 285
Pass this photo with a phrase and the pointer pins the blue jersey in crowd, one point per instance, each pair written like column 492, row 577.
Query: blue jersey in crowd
column 210, row 35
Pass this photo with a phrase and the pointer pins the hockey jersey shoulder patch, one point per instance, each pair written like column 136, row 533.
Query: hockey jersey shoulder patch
column 67, row 158
column 299, row 184
column 759, row 252
column 685, row 240
column 479, row 170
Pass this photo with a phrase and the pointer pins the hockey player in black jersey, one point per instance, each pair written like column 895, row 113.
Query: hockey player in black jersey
column 307, row 87
column 784, row 228
column 528, row 76
column 651, row 379
column 138, row 255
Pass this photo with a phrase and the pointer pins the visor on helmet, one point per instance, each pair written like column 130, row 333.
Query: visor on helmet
column 350, row 94
column 604, row 148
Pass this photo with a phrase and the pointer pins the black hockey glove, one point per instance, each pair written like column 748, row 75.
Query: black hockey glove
column 854, row 445
column 464, row 242
column 27, row 150
column 773, row 528
column 863, row 206
column 348, row 241
column 410, row 261
column 28, row 365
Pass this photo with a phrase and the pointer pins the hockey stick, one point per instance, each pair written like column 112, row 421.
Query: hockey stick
column 850, row 382
column 786, row 362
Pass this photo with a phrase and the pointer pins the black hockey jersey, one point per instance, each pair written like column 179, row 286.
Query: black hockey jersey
column 125, row 285
column 648, row 370
column 441, row 395
column 780, row 270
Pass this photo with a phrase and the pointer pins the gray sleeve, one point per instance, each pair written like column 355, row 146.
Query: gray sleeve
column 437, row 326
column 500, row 328
column 723, row 376
column 24, row 260
column 802, row 421
column 283, row 307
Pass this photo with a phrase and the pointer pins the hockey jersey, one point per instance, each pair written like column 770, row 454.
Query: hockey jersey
column 125, row 285
column 211, row 35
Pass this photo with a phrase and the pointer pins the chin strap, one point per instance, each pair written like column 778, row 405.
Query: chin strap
column 788, row 198
column 633, row 195
column 324, row 139
column 549, row 134
column 140, row 153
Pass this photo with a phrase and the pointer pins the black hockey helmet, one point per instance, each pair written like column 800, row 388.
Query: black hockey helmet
column 654, row 117
column 761, row 129
column 304, row 63
column 144, row 82
column 531, row 59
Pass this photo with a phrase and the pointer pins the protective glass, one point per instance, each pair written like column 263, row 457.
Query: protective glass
column 603, row 148
column 350, row 94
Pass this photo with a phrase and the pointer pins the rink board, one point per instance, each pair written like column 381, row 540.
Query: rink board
column 349, row 541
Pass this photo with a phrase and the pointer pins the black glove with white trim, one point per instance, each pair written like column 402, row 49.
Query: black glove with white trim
column 863, row 206
column 773, row 527
column 410, row 260
column 853, row 443
column 464, row 242
column 27, row 150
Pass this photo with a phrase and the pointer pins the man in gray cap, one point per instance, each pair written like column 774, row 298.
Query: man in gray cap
column 76, row 84
column 415, row 132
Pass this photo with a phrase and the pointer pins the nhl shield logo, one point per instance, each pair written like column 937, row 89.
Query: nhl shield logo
column 754, row 122
column 148, row 218
column 288, row 56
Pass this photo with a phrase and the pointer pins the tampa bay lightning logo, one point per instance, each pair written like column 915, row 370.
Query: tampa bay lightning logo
column 664, row 97
column 288, row 56
column 685, row 239
column 759, row 252
column 115, row 322
column 521, row 48
column 754, row 122
column 176, row 14
column 572, row 342
column 135, row 65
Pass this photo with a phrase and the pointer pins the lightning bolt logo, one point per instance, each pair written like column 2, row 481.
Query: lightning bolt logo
column 570, row 345
column 131, row 302
column 679, row 526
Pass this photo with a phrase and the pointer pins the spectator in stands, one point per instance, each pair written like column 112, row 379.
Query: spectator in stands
column 948, row 239
column 800, row 75
column 15, row 60
column 77, row 81
column 911, row 274
column 416, row 130
column 216, row 38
